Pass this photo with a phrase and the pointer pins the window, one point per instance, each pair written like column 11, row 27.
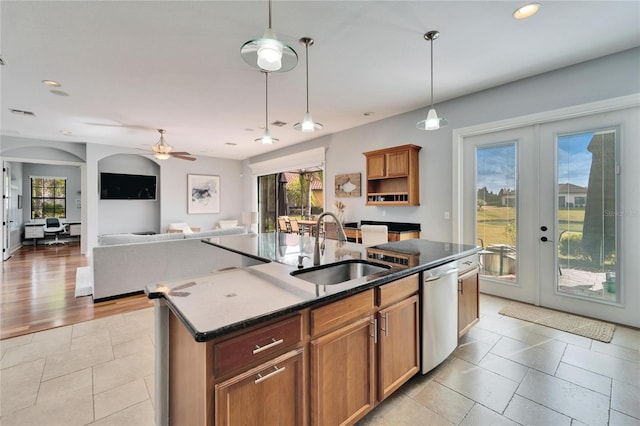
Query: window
column 48, row 197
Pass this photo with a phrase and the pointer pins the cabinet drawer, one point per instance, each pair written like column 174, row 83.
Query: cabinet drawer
column 257, row 345
column 33, row 232
column 467, row 263
column 398, row 290
column 338, row 313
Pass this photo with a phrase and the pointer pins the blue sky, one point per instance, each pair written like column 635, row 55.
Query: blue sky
column 496, row 165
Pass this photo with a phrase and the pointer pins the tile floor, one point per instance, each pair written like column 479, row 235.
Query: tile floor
column 505, row 371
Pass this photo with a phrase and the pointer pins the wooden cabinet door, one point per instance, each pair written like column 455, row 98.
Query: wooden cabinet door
column 343, row 374
column 468, row 303
column 398, row 345
column 376, row 166
column 270, row 394
column 398, row 163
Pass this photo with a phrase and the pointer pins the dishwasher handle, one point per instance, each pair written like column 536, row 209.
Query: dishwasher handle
column 437, row 277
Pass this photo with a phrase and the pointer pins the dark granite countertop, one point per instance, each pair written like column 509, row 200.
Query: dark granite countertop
column 232, row 299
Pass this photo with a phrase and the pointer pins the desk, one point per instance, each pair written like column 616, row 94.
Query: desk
column 35, row 230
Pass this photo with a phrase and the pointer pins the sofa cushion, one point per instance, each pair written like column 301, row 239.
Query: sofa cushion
column 219, row 232
column 226, row 224
column 114, row 239
column 180, row 226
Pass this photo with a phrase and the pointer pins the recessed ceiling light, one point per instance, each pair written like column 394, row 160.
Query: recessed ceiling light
column 368, row 114
column 59, row 92
column 231, row 143
column 248, row 129
column 51, row 83
column 526, row 10
column 66, row 132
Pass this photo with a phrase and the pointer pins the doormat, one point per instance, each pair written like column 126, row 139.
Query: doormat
column 590, row 328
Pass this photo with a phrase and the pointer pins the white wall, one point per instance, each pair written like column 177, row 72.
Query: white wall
column 603, row 78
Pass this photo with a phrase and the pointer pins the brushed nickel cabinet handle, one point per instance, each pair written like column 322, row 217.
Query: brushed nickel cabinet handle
column 262, row 378
column 273, row 343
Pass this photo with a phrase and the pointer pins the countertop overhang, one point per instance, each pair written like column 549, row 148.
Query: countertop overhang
column 232, row 299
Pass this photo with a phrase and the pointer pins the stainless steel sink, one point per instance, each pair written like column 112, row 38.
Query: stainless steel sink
column 336, row 273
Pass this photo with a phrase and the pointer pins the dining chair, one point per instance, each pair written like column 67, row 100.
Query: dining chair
column 282, row 224
column 374, row 234
column 295, row 227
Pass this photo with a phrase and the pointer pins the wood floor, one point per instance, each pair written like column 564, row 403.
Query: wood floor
column 38, row 292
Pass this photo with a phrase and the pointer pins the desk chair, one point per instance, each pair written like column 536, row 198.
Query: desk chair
column 53, row 226
column 374, row 234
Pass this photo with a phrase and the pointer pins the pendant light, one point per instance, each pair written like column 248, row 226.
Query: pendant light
column 268, row 53
column 266, row 138
column 307, row 124
column 433, row 122
column 162, row 149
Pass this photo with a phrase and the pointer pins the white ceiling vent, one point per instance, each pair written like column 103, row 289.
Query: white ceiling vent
column 279, row 123
column 22, row 112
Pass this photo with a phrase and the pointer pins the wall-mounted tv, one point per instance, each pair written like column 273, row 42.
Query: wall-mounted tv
column 118, row 186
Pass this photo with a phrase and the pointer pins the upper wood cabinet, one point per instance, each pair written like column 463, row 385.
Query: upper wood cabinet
column 393, row 176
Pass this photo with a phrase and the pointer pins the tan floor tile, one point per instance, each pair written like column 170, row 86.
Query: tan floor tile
column 19, row 386
column 617, row 351
column 121, row 371
column 564, row 397
column 150, row 382
column 75, row 408
column 481, row 334
column 505, row 326
column 625, row 399
column 60, row 364
column 15, row 341
column 627, row 337
column 480, row 415
column 400, row 410
column 140, row 346
column 143, row 318
column 56, row 389
column 526, row 412
column 38, row 348
column 504, row 367
column 87, row 341
column 472, row 351
column 93, row 326
column 619, row 419
column 532, row 356
column 561, row 336
column 60, row 333
column 119, row 398
column 584, row 378
column 445, row 402
column 140, row 414
column 606, row 365
column 546, row 343
column 479, row 384
column 130, row 332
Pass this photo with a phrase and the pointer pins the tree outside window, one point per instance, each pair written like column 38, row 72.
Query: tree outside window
column 48, row 197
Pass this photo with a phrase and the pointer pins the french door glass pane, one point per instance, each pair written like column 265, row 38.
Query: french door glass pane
column 496, row 212
column 586, row 212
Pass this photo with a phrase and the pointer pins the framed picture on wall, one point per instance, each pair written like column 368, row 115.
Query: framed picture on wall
column 203, row 194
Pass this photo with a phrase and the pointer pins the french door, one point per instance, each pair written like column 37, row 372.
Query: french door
column 555, row 207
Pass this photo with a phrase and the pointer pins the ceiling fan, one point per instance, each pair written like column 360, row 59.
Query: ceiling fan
column 163, row 151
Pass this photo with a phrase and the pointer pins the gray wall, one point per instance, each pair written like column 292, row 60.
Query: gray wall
column 74, row 181
column 603, row 78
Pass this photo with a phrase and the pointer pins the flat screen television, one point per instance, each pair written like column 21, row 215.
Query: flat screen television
column 119, row 186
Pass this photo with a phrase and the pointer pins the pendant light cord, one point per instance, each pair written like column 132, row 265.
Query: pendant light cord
column 266, row 101
column 431, row 73
column 269, row 13
column 307, row 63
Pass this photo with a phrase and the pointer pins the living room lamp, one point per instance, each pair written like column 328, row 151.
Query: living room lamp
column 268, row 53
column 266, row 138
column 162, row 149
column 307, row 124
column 433, row 122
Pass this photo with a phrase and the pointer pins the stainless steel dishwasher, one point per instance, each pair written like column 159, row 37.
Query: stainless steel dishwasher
column 439, row 314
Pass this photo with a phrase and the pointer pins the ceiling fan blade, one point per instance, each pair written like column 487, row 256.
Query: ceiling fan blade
column 182, row 157
column 180, row 153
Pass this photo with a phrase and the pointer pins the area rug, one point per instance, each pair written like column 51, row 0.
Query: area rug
column 592, row 329
column 84, row 281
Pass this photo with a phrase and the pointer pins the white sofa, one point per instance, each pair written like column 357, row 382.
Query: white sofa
column 125, row 263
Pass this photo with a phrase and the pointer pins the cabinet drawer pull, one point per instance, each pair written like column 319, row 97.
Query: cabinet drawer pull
column 275, row 371
column 273, row 343
column 386, row 325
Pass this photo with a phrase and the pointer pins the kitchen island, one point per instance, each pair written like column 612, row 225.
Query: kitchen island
column 240, row 335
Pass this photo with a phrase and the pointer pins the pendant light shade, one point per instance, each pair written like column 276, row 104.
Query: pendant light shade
column 307, row 124
column 268, row 53
column 433, row 122
column 266, row 138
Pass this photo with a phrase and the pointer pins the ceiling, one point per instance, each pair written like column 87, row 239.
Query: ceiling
column 131, row 67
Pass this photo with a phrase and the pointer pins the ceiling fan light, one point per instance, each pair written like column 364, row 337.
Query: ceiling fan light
column 162, row 156
column 269, row 51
